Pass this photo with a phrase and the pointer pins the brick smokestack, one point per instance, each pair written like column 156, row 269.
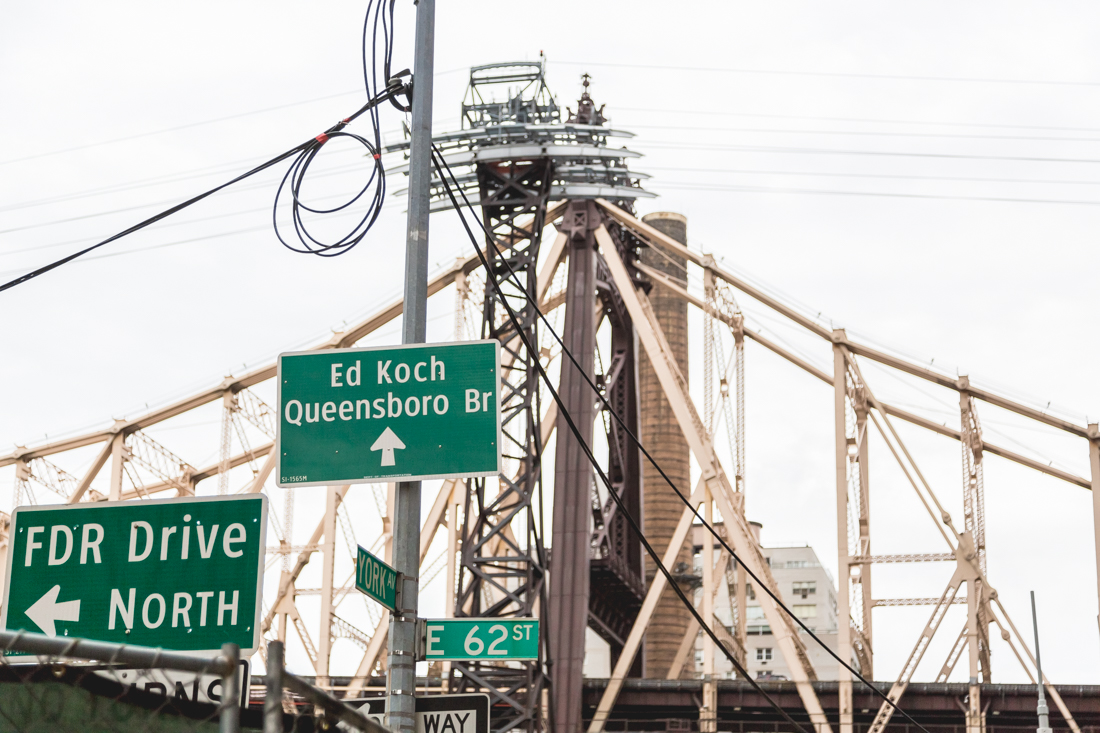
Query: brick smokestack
column 662, row 438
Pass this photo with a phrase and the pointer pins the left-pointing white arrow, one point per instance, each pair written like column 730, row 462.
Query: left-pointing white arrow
column 46, row 611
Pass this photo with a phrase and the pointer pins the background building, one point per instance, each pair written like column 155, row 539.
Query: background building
column 806, row 586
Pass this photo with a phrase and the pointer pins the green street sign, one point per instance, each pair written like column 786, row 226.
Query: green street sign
column 423, row 411
column 479, row 638
column 376, row 579
column 183, row 574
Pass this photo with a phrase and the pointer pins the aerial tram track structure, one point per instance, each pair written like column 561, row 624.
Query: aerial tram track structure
column 556, row 201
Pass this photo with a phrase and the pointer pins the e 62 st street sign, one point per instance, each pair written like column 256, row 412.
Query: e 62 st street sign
column 183, row 574
column 376, row 579
column 480, row 638
column 412, row 412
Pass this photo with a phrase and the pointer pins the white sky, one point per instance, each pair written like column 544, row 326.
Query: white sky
column 751, row 117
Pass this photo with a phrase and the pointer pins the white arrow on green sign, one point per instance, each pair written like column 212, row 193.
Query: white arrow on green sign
column 183, row 574
column 479, row 638
column 376, row 579
column 422, row 411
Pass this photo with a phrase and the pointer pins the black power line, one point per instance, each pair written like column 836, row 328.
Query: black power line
column 438, row 158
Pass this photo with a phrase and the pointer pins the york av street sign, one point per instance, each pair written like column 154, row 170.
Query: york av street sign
column 480, row 638
column 375, row 579
column 181, row 574
column 422, row 411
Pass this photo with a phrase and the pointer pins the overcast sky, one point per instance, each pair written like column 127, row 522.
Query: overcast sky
column 926, row 175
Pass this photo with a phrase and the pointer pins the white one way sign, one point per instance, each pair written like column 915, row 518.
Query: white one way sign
column 438, row 713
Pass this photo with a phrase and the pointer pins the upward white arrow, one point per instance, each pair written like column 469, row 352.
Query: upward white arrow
column 46, row 611
column 386, row 443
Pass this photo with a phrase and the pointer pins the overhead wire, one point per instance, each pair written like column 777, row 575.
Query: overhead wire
column 886, row 176
column 439, row 161
column 336, row 171
column 677, row 185
column 679, row 145
column 869, row 120
column 199, row 123
column 187, row 175
column 867, row 133
column 838, row 74
column 176, row 128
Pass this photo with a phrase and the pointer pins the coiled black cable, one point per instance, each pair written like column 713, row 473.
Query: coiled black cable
column 378, row 20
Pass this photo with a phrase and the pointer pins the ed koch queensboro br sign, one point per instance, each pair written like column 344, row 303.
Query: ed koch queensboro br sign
column 412, row 412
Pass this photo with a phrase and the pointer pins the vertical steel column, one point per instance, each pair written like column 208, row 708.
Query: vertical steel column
column 708, row 351
column 454, row 506
column 863, row 438
column 273, row 689
column 324, row 637
column 974, row 698
column 843, row 611
column 514, row 206
column 229, row 719
column 229, row 402
column 742, row 604
column 569, row 580
column 401, row 667
column 118, row 457
column 1094, row 464
column 708, row 713
column 974, row 514
column 1041, row 709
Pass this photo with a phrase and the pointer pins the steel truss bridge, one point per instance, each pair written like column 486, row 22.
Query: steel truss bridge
column 534, row 174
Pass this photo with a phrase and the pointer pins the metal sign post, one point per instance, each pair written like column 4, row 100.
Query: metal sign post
column 401, row 664
column 183, row 574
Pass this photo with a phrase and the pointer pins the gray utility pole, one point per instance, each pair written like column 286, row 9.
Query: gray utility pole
column 1044, row 713
column 401, row 665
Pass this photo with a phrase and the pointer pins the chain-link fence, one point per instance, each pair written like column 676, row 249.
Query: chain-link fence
column 66, row 685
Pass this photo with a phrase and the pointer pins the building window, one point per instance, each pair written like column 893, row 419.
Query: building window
column 804, row 610
column 763, row 674
column 800, row 564
column 764, row 654
column 749, row 592
column 804, row 588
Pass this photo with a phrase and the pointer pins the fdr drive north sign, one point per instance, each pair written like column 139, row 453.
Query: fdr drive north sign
column 423, row 411
column 183, row 574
